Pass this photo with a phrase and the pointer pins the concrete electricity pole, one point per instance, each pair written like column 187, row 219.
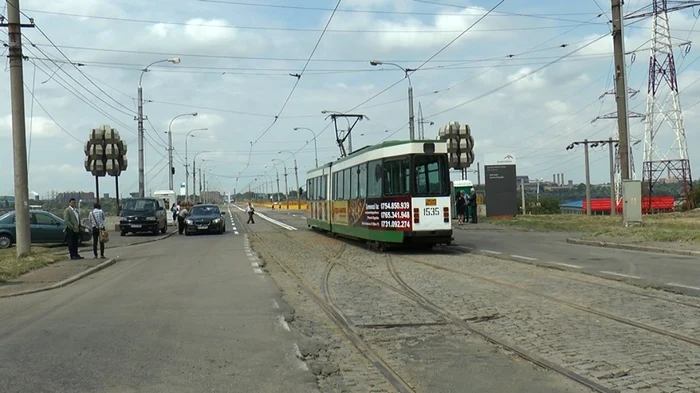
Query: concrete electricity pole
column 586, row 143
column 522, row 194
column 621, row 88
column 19, row 140
column 171, row 169
column 140, row 118
column 613, row 200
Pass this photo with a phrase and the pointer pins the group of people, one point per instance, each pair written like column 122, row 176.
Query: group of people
column 180, row 212
column 463, row 202
column 71, row 217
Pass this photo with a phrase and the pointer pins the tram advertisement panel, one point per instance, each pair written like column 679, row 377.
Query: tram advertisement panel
column 340, row 212
column 389, row 214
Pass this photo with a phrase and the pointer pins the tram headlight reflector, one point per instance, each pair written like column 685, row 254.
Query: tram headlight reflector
column 416, row 215
column 446, row 214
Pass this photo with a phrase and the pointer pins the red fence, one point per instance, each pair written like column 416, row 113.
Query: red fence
column 663, row 203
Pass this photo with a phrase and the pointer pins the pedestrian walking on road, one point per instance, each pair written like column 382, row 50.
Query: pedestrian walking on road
column 71, row 217
column 472, row 204
column 250, row 210
column 182, row 214
column 175, row 210
column 99, row 231
column 461, row 207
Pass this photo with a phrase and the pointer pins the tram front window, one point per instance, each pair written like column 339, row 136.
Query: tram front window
column 428, row 175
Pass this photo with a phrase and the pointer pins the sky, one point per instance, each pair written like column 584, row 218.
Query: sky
column 527, row 78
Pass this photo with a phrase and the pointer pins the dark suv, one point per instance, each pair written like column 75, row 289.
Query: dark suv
column 143, row 215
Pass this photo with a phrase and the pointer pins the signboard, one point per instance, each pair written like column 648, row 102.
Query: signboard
column 501, row 190
column 387, row 214
column 340, row 212
column 499, row 159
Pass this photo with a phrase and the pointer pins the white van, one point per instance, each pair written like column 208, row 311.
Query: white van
column 168, row 197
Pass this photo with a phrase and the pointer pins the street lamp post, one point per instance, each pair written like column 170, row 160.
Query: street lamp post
column 315, row 147
column 140, row 118
column 171, row 170
column 411, row 126
column 187, row 166
column 286, row 188
column 296, row 175
column 194, row 174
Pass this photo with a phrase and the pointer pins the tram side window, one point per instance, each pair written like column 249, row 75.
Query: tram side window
column 428, row 174
column 317, row 189
column 361, row 182
column 396, row 177
column 338, row 186
column 374, row 179
column 309, row 187
column 347, row 184
column 322, row 189
column 353, row 182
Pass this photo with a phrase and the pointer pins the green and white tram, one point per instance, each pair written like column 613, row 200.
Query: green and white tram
column 396, row 192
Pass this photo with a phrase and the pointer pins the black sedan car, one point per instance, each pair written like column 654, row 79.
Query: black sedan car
column 205, row 218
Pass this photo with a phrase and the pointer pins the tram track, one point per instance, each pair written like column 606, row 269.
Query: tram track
column 340, row 319
column 325, row 303
column 573, row 305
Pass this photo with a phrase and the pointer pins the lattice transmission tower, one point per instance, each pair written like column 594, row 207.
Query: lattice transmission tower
column 664, row 115
column 633, row 142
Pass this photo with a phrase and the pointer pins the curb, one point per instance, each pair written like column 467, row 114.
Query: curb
column 471, row 227
column 163, row 237
column 633, row 247
column 67, row 281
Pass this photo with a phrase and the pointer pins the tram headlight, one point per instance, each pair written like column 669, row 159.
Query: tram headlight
column 446, row 214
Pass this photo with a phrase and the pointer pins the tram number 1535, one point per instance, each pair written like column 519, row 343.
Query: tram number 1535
column 431, row 211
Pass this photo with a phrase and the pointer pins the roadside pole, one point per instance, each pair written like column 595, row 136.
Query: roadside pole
column 19, row 139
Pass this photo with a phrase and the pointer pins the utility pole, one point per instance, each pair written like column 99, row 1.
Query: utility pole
column 586, row 144
column 278, row 187
column 204, row 180
column 621, row 88
column 522, row 194
column 19, row 139
column 411, row 123
column 142, row 173
column 296, row 175
column 286, row 188
column 194, row 179
column 200, row 183
column 613, row 200
column 588, row 178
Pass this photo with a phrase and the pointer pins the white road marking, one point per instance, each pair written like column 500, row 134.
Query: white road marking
column 294, row 215
column 255, row 264
column 283, row 323
column 492, row 252
column 567, row 265
column 275, row 304
column 522, row 257
column 278, row 223
column 300, row 359
column 259, row 271
column 620, row 275
column 236, row 232
column 683, row 286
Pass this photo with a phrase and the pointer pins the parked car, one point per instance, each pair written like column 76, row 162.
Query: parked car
column 143, row 215
column 205, row 218
column 45, row 228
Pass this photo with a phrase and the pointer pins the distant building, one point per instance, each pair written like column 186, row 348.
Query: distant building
column 212, row 197
column 78, row 195
column 522, row 179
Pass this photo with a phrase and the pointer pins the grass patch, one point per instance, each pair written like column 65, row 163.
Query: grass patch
column 12, row 267
column 670, row 227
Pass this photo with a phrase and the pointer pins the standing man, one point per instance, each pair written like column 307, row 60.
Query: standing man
column 71, row 217
column 250, row 210
column 472, row 204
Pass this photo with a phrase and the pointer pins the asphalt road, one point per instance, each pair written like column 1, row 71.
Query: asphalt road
column 669, row 271
column 186, row 314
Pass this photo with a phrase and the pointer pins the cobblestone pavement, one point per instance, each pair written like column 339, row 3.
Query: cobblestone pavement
column 427, row 352
column 618, row 355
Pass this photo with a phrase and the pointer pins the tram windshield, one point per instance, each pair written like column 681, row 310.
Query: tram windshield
column 429, row 175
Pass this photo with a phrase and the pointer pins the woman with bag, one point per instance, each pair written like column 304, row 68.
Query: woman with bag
column 99, row 232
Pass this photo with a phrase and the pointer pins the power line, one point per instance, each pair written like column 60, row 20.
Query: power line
column 81, row 71
column 270, row 28
column 31, row 92
column 366, row 11
column 299, row 75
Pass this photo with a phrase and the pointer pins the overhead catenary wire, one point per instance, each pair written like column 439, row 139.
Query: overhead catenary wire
column 287, row 29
